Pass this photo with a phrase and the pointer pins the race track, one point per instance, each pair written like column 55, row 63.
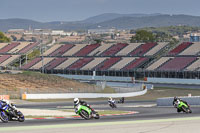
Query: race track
column 145, row 113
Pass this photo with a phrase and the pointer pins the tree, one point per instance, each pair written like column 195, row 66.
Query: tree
column 33, row 39
column 98, row 41
column 22, row 39
column 14, row 38
column 143, row 36
column 3, row 38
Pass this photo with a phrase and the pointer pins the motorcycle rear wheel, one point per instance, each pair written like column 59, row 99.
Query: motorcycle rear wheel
column 84, row 114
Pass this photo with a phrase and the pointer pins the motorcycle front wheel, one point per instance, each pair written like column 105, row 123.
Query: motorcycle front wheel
column 3, row 117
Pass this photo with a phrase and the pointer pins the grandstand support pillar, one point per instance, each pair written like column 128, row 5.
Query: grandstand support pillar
column 20, row 62
column 26, row 58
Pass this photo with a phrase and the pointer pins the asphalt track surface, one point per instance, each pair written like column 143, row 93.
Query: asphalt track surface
column 145, row 113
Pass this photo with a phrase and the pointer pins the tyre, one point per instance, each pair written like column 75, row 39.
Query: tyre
column 189, row 110
column 84, row 114
column 96, row 116
column 3, row 117
column 21, row 119
column 186, row 110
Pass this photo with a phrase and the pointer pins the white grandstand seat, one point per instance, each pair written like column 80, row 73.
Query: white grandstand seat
column 39, row 64
column 75, row 49
column 128, row 49
column 19, row 47
column 9, row 60
column 158, row 63
column 93, row 63
column 67, row 63
column 194, row 66
column 51, row 50
column 3, row 45
column 100, row 49
column 122, row 63
column 155, row 49
column 192, row 50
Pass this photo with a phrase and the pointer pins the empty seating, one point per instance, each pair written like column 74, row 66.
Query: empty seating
column 93, row 63
column 156, row 49
column 114, row 49
column 80, row 63
column 119, row 65
column 66, row 63
column 33, row 62
column 125, row 51
column 177, row 64
column 87, row 49
column 61, row 50
column 3, row 45
column 52, row 49
column 135, row 63
column 55, row 63
column 100, row 49
column 4, row 58
column 158, row 63
column 194, row 49
column 28, row 48
column 142, row 49
column 108, row 63
column 41, row 63
column 194, row 66
column 179, row 48
column 19, row 47
column 9, row 60
column 8, row 47
column 74, row 49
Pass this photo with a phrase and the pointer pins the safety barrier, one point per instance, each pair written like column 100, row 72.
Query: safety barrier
column 168, row 101
column 82, row 95
column 6, row 97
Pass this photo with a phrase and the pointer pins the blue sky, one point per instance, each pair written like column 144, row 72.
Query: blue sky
column 70, row 10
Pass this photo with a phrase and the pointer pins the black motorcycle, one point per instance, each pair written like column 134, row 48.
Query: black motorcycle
column 112, row 104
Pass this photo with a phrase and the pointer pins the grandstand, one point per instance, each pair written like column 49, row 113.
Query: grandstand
column 12, row 52
column 129, row 59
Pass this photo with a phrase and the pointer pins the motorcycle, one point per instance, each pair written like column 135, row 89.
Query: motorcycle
column 86, row 112
column 112, row 104
column 10, row 114
column 182, row 107
column 3, row 116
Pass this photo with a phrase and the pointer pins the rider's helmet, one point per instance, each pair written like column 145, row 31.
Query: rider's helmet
column 5, row 101
column 76, row 101
column 110, row 99
column 175, row 98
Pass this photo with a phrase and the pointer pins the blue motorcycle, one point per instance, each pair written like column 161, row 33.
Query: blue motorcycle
column 10, row 113
column 3, row 114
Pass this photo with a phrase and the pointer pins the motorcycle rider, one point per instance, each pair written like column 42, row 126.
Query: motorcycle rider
column 111, row 101
column 12, row 110
column 176, row 99
column 77, row 101
column 121, row 100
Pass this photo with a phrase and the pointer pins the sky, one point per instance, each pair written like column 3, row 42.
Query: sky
column 74, row 10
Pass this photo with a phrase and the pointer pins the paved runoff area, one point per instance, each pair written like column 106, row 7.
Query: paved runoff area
column 173, row 125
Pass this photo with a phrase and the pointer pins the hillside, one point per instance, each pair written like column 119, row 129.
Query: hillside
column 119, row 21
column 34, row 82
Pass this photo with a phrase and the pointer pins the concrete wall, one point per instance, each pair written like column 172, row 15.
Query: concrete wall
column 168, row 101
column 174, row 81
column 81, row 95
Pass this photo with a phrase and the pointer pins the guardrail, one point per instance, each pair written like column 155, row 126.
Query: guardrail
column 82, row 95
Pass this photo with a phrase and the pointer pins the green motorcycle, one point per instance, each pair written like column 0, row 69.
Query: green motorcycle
column 86, row 112
column 181, row 106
